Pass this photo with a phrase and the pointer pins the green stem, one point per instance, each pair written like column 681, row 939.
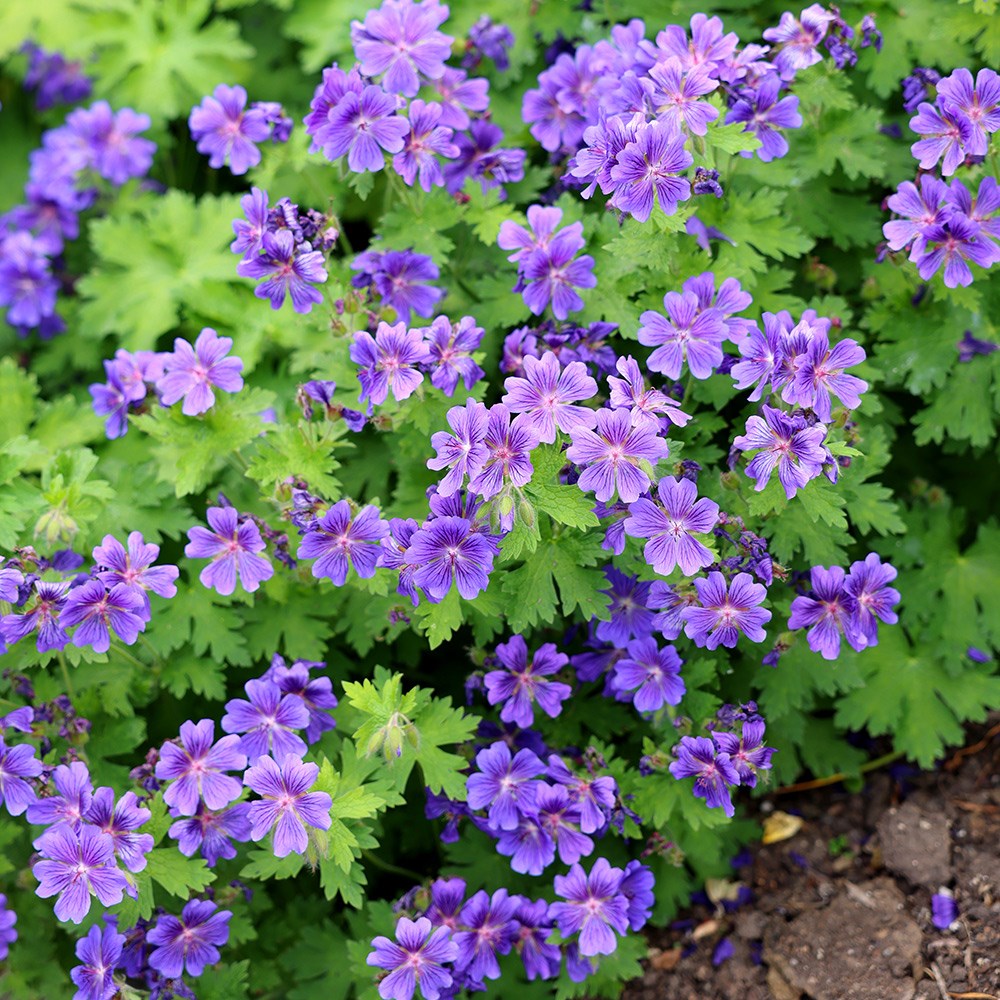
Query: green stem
column 125, row 655
column 833, row 779
column 385, row 866
column 70, row 693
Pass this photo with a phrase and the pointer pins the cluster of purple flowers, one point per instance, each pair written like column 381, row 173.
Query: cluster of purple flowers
column 94, row 148
column 227, row 131
column 399, row 279
column 372, row 110
column 188, row 373
column 285, row 246
column 566, row 341
column 53, row 79
column 724, row 760
column 111, row 599
column 846, row 605
column 946, row 225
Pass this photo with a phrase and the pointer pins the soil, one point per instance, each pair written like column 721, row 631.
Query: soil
column 841, row 910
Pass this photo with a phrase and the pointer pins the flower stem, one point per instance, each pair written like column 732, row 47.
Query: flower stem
column 833, row 779
column 385, row 866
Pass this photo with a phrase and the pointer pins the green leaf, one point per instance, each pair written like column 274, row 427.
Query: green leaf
column 731, row 138
column 305, row 451
column 566, row 504
column 440, row 621
column 180, row 876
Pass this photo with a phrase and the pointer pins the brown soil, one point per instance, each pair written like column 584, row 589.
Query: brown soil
column 841, row 909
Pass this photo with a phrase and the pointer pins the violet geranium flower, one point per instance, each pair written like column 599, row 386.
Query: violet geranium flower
column 212, row 833
column 746, row 752
column 190, row 373
column 389, row 361
column 96, row 610
column 16, row 764
column 133, row 567
column 648, row 166
column 267, row 721
column 120, row 820
column 43, row 618
column 99, row 953
column 223, row 130
column 509, row 445
column 763, row 114
column 649, row 676
column 612, row 454
column 448, row 549
column 286, row 804
column 488, row 930
column 595, row 907
column 420, row 959
column 714, row 772
column 504, row 784
column 724, row 614
column 868, row 585
column 365, row 126
column 70, row 800
column 691, row 334
column 787, row 444
column 524, row 681
column 427, row 140
column 828, row 613
column 339, row 541
column 450, row 346
column 461, row 452
column 196, row 768
column 547, row 393
column 190, row 942
column 672, row 525
column 233, row 548
column 289, row 269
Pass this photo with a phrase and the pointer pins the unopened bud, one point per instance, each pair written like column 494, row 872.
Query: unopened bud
column 526, row 513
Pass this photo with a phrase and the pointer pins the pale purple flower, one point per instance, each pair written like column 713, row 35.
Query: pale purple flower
column 713, row 772
column 196, row 768
column 978, row 103
column 99, row 952
column 534, row 927
column 402, row 40
column 71, row 799
column 190, row 942
column 947, row 134
column 487, row 931
column 981, row 209
column 365, row 126
column 786, row 443
column 450, row 346
column 829, row 613
column 954, row 244
column 428, row 139
column 212, row 833
column 289, row 269
column 488, row 40
column 458, row 95
column 325, row 98
column 648, row 166
column 99, row 611
column 449, row 549
column 546, row 394
column 461, row 452
column 550, row 276
column 524, row 681
column 43, row 618
column 649, row 676
column 821, row 373
column 399, row 277
column 690, row 334
column 868, row 585
column 509, row 445
column 251, row 228
column 630, row 616
column 706, row 46
column 595, row 161
column 225, row 131
column 190, row 373
column 799, row 39
column 746, row 752
column 530, row 848
column 286, row 804
column 672, row 525
column 133, row 567
column 722, row 616
column 613, row 454
column 676, row 92
column 629, row 392
column 479, row 159
column 540, row 234
column 595, row 907
column 420, row 959
column 763, row 114
column 316, row 692
column 340, row 540
column 111, row 141
column 504, row 784
column 389, row 361
column 595, row 796
column 16, row 764
column 76, row 864
column 267, row 721
column 27, row 286
column 232, row 546
column 120, row 820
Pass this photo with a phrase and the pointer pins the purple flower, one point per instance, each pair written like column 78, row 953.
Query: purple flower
column 290, row 269
column 417, row 960
column 649, row 165
column 595, row 907
column 746, row 752
column 286, row 804
column 458, row 94
column 190, row 942
column 96, row 610
column 232, row 546
column 613, row 454
column 365, row 126
column 211, row 832
column 69, row 802
column 637, row 888
column 7, row 933
column 74, row 865
column 944, row 911
column 522, row 683
column 490, row 932
column 447, row 895
column 267, row 720
column 691, row 334
column 326, row 96
column 672, row 525
column 629, row 392
column 462, row 452
column 559, row 816
column 676, row 89
column 713, row 772
column 595, row 161
column 947, row 134
column 504, row 785
column 99, row 952
column 427, row 140
column 799, row 39
column 43, row 618
column 224, row 131
column 390, row 361
column 629, row 614
column 786, row 443
column 449, row 549
column 546, row 394
column 109, row 141
column 529, row 846
column 478, row 160
column 250, row 229
column 195, row 768
column 763, row 115
column 509, row 445
column 26, row 283
column 338, row 541
column 316, row 692
column 868, row 585
column 533, row 928
column 54, row 80
column 112, row 399
column 450, row 346
column 190, row 373
column 490, row 41
column 401, row 40
column 978, row 104
column 652, row 673
column 594, row 797
column 119, row 820
column 829, row 613
column 398, row 276
column 133, row 567
column 550, row 276
column 722, row 616
column 954, row 244
column 821, row 372
column 921, row 209
column 16, row 764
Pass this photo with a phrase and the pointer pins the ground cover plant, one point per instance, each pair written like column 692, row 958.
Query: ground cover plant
column 455, row 458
